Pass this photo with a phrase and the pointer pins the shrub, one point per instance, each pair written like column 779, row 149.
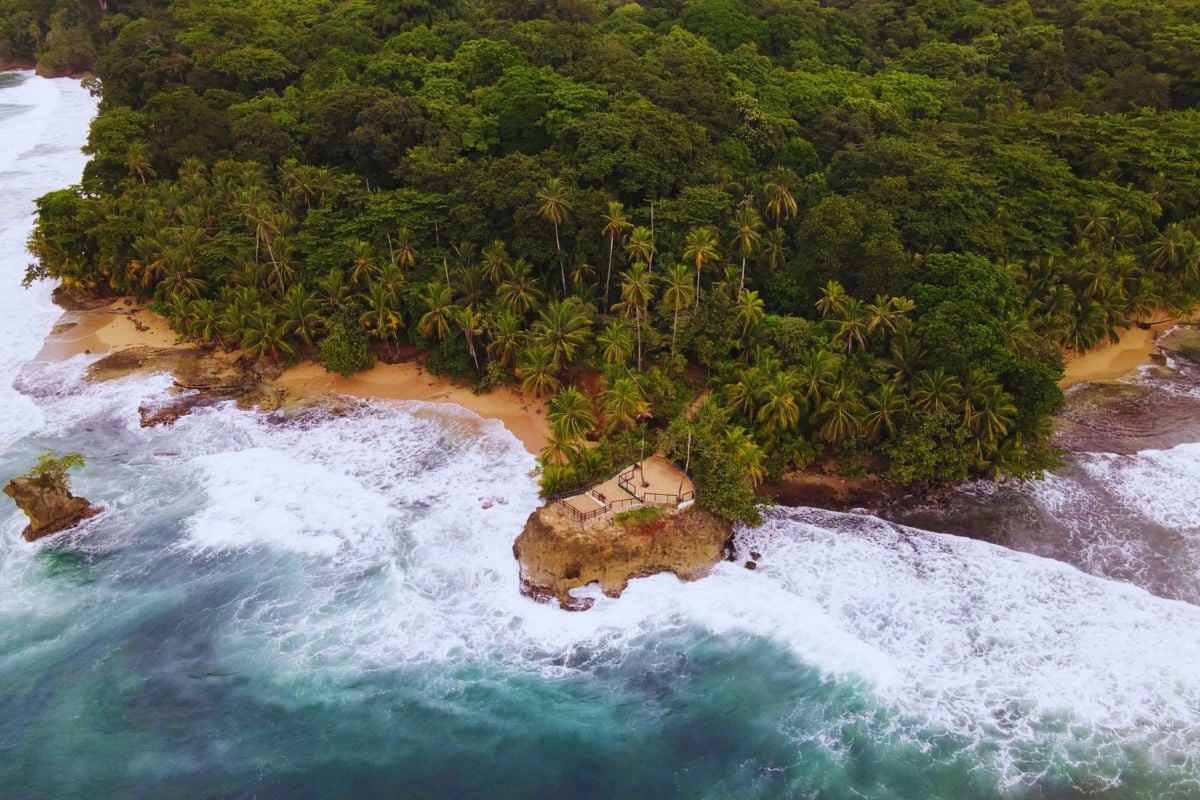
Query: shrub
column 345, row 348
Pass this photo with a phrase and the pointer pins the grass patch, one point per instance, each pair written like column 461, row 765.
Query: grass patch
column 639, row 515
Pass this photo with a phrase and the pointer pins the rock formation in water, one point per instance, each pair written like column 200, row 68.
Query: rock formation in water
column 558, row 555
column 49, row 505
column 202, row 378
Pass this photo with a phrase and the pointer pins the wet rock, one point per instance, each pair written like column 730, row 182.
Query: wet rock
column 77, row 298
column 49, row 505
column 558, row 555
column 751, row 565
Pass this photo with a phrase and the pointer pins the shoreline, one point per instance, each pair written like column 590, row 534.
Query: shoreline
column 1136, row 347
column 120, row 324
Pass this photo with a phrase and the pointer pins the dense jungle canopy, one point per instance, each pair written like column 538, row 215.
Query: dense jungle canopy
column 872, row 229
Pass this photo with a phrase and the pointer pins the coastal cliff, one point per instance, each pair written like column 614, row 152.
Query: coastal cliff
column 558, row 555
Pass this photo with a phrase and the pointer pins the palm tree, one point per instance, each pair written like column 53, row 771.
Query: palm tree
column 537, row 371
column 616, row 343
column 886, row 404
column 403, row 253
column 137, row 161
column 780, row 203
column 855, row 325
column 640, row 245
column 637, row 289
column 677, row 293
column 562, row 328
column 775, row 246
column 987, row 409
column 833, row 300
column 299, row 314
column 363, row 267
column 507, row 333
column 554, row 208
column 495, row 261
column 815, row 374
column 750, row 310
column 519, row 292
column 436, row 321
column 1172, row 247
column 615, row 222
column 746, row 237
column 623, row 404
column 1096, row 222
column 700, row 247
column 333, row 288
column 264, row 335
column 381, row 316
column 743, row 396
column 936, row 392
column 570, row 415
column 843, row 413
column 887, row 312
column 742, row 447
column 782, row 406
column 205, row 319
column 471, row 323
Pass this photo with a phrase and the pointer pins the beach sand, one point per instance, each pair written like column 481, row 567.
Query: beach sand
column 1136, row 347
column 122, row 325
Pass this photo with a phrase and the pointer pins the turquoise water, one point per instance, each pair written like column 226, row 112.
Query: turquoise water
column 326, row 605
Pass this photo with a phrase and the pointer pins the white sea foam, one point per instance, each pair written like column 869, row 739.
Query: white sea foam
column 1160, row 484
column 42, row 137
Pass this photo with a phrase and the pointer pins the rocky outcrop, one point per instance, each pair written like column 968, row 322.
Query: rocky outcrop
column 558, row 555
column 49, row 505
column 828, row 490
column 202, row 378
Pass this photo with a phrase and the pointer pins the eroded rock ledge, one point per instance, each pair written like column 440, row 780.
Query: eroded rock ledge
column 49, row 505
column 558, row 555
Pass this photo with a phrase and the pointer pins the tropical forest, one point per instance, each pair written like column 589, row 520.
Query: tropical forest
column 754, row 235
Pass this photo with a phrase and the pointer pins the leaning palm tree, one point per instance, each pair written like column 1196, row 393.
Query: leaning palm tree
column 470, row 321
column 746, row 237
column 437, row 320
column 554, row 208
column 742, row 447
column 700, row 248
column 615, row 223
column 637, row 289
column 264, row 335
column 677, row 293
column 137, row 161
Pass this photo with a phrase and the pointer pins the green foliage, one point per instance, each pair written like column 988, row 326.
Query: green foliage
column 719, row 475
column 345, row 348
column 891, row 222
column 51, row 470
column 639, row 516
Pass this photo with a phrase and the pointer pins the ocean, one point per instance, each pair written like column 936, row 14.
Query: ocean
column 325, row 604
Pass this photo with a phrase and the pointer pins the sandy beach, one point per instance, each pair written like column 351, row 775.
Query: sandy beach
column 122, row 325
column 1136, row 347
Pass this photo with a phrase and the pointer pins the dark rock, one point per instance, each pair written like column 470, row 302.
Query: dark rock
column 751, row 565
column 76, row 298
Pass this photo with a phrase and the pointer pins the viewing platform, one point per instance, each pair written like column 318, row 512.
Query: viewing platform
column 655, row 481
